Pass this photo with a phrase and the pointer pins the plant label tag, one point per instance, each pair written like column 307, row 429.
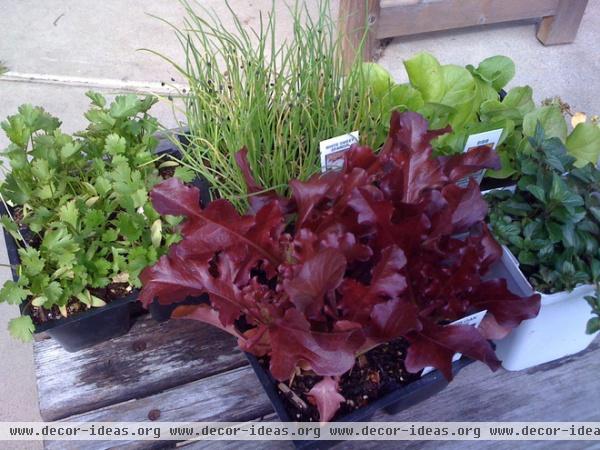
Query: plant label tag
column 488, row 139
column 332, row 150
column 473, row 320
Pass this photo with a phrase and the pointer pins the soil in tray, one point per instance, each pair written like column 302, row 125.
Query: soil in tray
column 374, row 374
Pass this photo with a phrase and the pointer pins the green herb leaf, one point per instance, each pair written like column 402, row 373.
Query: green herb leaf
column 551, row 120
column 593, row 325
column 69, row 213
column 115, row 144
column 185, row 174
column 12, row 293
column 21, row 328
column 31, row 261
column 584, row 144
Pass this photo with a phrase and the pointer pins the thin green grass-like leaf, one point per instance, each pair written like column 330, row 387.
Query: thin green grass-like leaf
column 279, row 98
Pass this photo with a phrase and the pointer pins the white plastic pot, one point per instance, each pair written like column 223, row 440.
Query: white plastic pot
column 557, row 331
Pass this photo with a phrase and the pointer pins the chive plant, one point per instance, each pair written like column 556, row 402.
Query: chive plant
column 277, row 99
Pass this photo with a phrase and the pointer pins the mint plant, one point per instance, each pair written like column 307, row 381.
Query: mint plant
column 552, row 221
column 78, row 207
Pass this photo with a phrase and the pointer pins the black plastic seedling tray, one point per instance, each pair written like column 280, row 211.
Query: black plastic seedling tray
column 392, row 403
column 85, row 329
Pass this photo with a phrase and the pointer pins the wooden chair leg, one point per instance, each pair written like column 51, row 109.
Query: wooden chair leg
column 562, row 27
column 357, row 21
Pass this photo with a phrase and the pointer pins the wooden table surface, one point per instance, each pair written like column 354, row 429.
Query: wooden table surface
column 188, row 371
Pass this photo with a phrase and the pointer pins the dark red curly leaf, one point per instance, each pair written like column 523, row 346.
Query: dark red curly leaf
column 266, row 232
column 409, row 146
column 394, row 318
column 314, row 279
column 387, row 283
column 459, row 166
column 467, row 206
column 488, row 249
column 206, row 314
column 170, row 281
column 345, row 242
column 220, row 227
column 386, row 277
column 508, row 309
column 175, row 198
column 308, row 195
column 435, row 346
column 490, row 329
column 327, row 397
column 293, row 344
column 361, row 157
column 373, row 210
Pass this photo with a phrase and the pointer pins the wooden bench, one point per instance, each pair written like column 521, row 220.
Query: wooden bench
column 188, row 371
column 391, row 18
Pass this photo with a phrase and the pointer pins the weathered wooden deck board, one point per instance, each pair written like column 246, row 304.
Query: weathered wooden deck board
column 565, row 390
column 232, row 396
column 150, row 358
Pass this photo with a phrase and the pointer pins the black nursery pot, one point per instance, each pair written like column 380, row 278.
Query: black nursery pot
column 495, row 183
column 162, row 313
column 392, row 403
column 85, row 329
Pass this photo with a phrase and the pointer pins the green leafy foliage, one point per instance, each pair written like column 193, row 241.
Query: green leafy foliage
column 467, row 99
column 584, row 143
column 21, row 328
column 593, row 325
column 83, row 200
column 552, row 221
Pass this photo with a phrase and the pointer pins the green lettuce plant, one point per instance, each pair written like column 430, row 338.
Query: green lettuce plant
column 467, row 99
column 80, row 209
column 552, row 220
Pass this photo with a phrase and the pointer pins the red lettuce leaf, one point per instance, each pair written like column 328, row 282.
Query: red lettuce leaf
column 294, row 344
column 508, row 309
column 457, row 167
column 317, row 277
column 175, row 198
column 435, row 345
column 327, row 397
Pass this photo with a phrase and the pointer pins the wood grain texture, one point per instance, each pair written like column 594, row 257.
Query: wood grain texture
column 562, row 27
column 403, row 20
column 235, row 396
column 150, row 358
column 358, row 21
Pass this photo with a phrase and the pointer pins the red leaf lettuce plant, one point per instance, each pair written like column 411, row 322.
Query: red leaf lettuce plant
column 389, row 247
